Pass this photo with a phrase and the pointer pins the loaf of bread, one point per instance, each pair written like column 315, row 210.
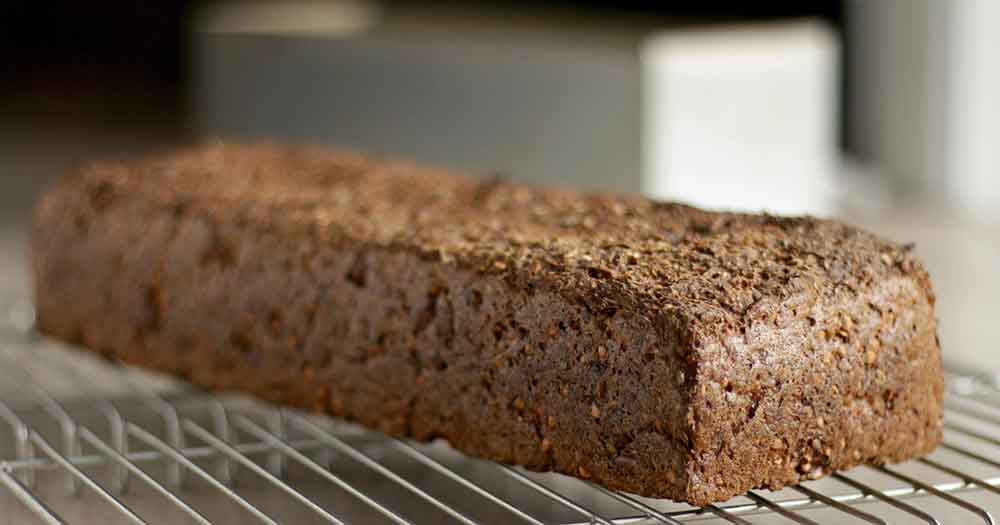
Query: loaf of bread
column 651, row 347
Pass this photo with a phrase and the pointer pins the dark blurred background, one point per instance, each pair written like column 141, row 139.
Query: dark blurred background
column 883, row 113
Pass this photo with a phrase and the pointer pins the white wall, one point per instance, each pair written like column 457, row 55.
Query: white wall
column 742, row 117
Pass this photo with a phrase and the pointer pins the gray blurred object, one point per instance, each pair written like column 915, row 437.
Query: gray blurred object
column 924, row 84
column 511, row 97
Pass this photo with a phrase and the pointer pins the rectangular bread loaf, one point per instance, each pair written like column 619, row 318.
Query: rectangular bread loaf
column 651, row 347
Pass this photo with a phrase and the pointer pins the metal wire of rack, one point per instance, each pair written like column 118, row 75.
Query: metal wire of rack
column 129, row 447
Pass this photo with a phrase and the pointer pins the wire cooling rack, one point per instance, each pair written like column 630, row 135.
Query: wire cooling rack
column 83, row 441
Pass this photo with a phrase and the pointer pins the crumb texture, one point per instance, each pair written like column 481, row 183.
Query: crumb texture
column 652, row 347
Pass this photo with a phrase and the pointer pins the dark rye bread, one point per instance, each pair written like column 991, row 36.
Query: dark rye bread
column 651, row 347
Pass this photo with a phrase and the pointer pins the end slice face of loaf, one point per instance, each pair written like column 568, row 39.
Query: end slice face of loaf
column 651, row 347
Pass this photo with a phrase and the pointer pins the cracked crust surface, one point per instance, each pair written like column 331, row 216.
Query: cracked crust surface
column 652, row 347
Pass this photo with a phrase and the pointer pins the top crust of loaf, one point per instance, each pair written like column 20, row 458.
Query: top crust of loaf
column 610, row 251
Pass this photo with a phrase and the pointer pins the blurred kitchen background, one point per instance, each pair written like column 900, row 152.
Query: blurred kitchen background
column 884, row 113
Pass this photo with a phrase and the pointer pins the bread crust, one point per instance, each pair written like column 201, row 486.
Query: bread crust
column 651, row 347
